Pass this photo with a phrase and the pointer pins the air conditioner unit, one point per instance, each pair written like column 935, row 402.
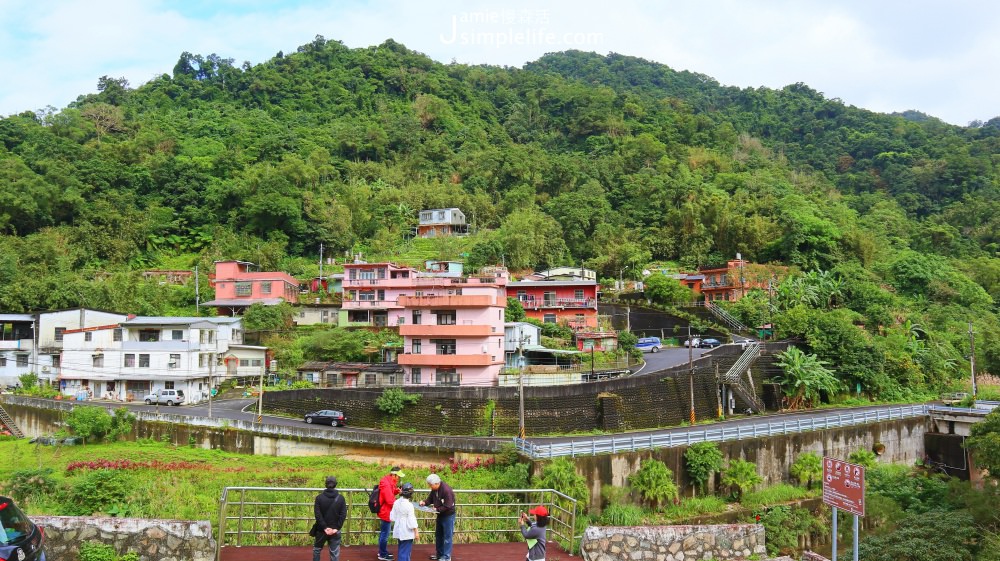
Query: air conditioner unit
column 45, row 369
column 172, row 364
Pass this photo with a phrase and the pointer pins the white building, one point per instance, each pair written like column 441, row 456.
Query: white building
column 126, row 361
column 52, row 327
column 17, row 347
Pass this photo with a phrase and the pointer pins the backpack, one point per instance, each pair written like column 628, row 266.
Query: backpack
column 374, row 504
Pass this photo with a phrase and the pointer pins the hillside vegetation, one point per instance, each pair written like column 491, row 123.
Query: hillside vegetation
column 892, row 222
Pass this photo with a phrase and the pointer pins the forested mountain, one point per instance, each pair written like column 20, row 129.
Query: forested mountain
column 612, row 161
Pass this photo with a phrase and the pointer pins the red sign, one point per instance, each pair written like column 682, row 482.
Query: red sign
column 844, row 485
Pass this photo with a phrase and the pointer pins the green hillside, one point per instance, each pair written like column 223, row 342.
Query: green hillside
column 610, row 161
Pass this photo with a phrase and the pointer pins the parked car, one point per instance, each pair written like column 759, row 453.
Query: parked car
column 693, row 342
column 649, row 344
column 19, row 539
column 169, row 397
column 327, row 416
column 709, row 343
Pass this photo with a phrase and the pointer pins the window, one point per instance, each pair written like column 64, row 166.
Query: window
column 59, row 333
column 168, row 385
column 578, row 294
column 522, row 296
column 446, row 317
column 549, row 298
column 440, row 215
column 244, row 362
column 446, row 377
column 129, row 360
column 144, row 361
column 88, row 336
column 366, row 296
column 265, row 287
column 415, row 346
column 98, row 361
column 549, row 318
column 56, row 361
column 175, row 361
column 3, row 361
column 202, row 360
column 581, row 320
column 370, row 379
column 416, row 316
column 381, row 295
column 415, row 375
column 244, row 288
column 22, row 360
column 117, row 336
column 257, row 362
column 443, row 346
column 177, row 334
column 149, row 335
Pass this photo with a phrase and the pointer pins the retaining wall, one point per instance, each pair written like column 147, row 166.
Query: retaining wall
column 673, row 543
column 153, row 540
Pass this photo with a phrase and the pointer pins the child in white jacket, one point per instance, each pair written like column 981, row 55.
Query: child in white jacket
column 404, row 518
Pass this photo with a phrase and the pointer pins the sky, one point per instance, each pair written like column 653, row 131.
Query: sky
column 940, row 58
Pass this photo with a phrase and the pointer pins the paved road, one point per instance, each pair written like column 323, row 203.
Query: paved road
column 667, row 357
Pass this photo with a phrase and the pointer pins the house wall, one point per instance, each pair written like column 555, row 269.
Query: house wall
column 306, row 315
column 71, row 319
column 228, row 273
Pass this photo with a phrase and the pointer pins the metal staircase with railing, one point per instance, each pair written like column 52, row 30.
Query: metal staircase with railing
column 6, row 421
column 739, row 380
column 726, row 318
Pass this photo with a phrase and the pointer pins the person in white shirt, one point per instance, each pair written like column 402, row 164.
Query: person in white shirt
column 404, row 519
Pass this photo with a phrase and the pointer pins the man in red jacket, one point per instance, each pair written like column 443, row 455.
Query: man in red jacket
column 388, row 488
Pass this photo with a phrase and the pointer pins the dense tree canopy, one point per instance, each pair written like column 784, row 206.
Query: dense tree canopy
column 608, row 161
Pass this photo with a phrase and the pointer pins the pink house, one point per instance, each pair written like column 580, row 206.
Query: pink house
column 452, row 327
column 238, row 285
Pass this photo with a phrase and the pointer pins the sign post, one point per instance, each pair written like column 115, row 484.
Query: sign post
column 844, row 489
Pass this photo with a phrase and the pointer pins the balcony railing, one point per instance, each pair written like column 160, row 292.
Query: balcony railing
column 370, row 304
column 431, row 330
column 447, row 360
column 425, row 281
column 534, row 303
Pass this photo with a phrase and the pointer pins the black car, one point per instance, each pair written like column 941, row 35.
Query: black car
column 20, row 539
column 327, row 416
column 710, row 343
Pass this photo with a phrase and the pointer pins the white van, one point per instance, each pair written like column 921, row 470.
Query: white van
column 170, row 397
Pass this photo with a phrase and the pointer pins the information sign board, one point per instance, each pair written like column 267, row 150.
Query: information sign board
column 844, row 485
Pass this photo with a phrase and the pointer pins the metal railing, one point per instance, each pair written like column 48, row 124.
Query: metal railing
column 716, row 433
column 734, row 377
column 6, row 421
column 271, row 516
column 725, row 317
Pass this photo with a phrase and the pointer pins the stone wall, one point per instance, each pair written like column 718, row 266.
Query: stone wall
column 673, row 543
column 153, row 540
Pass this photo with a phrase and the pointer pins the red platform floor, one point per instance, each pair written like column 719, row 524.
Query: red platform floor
column 460, row 552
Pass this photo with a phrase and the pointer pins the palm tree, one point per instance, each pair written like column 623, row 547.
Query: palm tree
column 804, row 377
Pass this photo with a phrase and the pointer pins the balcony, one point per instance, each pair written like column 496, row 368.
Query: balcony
column 446, row 331
column 447, row 360
column 450, row 301
column 411, row 282
column 370, row 305
column 535, row 304
column 15, row 344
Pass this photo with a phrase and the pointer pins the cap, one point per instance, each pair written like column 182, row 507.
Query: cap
column 433, row 479
column 397, row 472
column 406, row 490
column 539, row 510
column 331, row 481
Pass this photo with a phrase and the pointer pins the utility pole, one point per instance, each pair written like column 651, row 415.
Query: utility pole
column 691, row 372
column 521, row 432
column 972, row 359
column 211, row 371
column 321, row 263
column 718, row 392
column 197, row 295
column 260, row 398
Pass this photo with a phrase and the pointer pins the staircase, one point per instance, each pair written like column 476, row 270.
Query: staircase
column 739, row 381
column 726, row 318
column 6, row 421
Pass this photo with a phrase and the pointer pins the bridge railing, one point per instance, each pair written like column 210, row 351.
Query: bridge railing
column 282, row 516
column 713, row 433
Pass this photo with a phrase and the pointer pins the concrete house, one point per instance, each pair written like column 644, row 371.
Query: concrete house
column 240, row 284
column 438, row 222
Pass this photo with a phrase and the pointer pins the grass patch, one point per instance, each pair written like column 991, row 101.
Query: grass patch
column 781, row 493
column 694, row 506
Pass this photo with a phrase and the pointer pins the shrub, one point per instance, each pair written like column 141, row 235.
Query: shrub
column 121, row 423
column 701, row 461
column 28, row 381
column 507, row 455
column 88, row 421
column 654, row 482
column 97, row 492
column 96, row 551
column 807, row 468
column 561, row 475
column 393, row 400
column 783, row 525
column 26, row 484
column 740, row 477
column 865, row 458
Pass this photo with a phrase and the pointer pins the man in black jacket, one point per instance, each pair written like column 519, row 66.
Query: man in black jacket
column 330, row 510
column 442, row 500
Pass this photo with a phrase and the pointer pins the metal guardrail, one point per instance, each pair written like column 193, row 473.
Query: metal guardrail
column 734, row 377
column 975, row 411
column 283, row 516
column 694, row 435
column 726, row 317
